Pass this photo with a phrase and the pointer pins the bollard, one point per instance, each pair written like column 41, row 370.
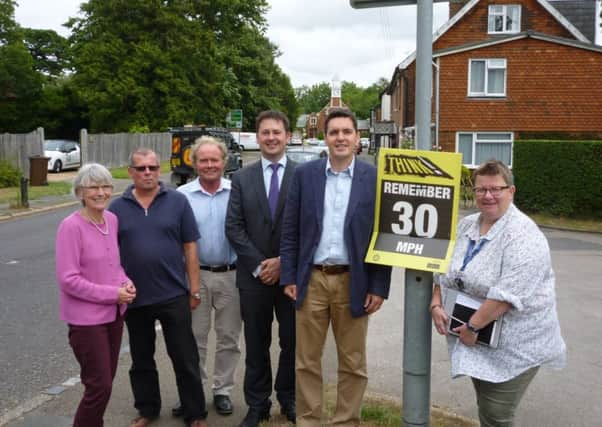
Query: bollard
column 24, row 195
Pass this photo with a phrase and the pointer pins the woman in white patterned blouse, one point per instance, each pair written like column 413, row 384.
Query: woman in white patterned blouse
column 502, row 257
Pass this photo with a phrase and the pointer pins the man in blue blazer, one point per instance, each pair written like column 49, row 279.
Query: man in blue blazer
column 326, row 229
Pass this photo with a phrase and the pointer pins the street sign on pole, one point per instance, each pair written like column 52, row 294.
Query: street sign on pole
column 418, row 284
column 416, row 209
column 234, row 119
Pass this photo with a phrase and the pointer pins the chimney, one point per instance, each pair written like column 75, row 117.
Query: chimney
column 455, row 6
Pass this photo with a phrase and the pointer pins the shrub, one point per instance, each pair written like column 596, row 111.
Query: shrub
column 559, row 177
column 9, row 175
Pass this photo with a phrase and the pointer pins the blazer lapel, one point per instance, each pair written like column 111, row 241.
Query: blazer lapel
column 259, row 186
column 356, row 193
column 286, row 178
column 319, row 185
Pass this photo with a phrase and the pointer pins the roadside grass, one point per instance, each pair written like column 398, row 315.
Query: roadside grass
column 573, row 224
column 12, row 195
column 380, row 412
column 122, row 172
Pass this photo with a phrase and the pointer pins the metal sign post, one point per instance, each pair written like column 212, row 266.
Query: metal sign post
column 418, row 284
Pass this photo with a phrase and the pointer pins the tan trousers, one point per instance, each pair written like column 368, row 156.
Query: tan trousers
column 219, row 296
column 327, row 301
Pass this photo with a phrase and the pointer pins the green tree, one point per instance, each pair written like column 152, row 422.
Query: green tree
column 49, row 50
column 20, row 84
column 146, row 63
column 254, row 82
column 8, row 26
column 362, row 100
column 313, row 99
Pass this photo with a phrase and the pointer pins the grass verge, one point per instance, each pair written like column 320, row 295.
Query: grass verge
column 380, row 412
column 122, row 172
column 12, row 195
column 574, row 224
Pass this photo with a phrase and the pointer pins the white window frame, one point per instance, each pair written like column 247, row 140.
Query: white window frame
column 489, row 65
column 476, row 141
column 504, row 13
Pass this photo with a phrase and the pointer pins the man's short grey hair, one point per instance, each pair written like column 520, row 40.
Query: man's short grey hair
column 143, row 151
column 88, row 174
column 208, row 140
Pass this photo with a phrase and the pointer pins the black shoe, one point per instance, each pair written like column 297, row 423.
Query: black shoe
column 177, row 410
column 289, row 411
column 223, row 404
column 254, row 417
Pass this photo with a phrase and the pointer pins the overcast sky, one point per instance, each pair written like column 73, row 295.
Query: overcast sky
column 317, row 39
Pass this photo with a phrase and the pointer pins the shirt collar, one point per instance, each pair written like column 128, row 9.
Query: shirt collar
column 348, row 171
column 473, row 233
column 265, row 163
column 224, row 184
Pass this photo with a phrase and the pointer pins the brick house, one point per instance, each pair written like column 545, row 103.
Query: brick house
column 505, row 70
column 314, row 127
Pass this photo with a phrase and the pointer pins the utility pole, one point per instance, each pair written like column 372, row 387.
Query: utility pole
column 418, row 284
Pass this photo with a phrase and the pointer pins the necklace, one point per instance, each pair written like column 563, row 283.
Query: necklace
column 104, row 232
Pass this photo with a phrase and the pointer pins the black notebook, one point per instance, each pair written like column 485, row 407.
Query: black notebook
column 460, row 307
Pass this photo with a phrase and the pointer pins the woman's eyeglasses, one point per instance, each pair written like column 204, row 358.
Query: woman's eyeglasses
column 105, row 187
column 152, row 168
column 494, row 191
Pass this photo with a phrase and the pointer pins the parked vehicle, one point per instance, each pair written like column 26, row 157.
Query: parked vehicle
column 246, row 140
column 295, row 141
column 64, row 154
column 306, row 153
column 182, row 139
column 365, row 142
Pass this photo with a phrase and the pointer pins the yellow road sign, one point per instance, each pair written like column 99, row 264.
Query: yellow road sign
column 416, row 209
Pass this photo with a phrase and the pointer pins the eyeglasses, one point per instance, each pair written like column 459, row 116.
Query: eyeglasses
column 152, row 168
column 494, row 191
column 105, row 187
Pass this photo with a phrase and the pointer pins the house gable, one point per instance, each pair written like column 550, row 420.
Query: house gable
column 470, row 23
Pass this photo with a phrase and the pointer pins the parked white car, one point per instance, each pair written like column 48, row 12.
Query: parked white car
column 64, row 154
column 246, row 140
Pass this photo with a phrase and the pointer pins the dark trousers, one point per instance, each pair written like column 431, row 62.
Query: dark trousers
column 175, row 318
column 96, row 349
column 257, row 308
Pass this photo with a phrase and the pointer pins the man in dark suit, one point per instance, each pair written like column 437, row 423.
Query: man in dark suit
column 253, row 226
column 326, row 230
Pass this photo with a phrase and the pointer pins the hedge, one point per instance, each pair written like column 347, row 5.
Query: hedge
column 559, row 177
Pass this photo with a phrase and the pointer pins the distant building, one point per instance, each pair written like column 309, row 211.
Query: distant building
column 315, row 121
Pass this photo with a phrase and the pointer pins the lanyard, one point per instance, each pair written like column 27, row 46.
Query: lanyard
column 472, row 251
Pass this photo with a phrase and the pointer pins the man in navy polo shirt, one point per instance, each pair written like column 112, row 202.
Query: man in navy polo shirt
column 157, row 241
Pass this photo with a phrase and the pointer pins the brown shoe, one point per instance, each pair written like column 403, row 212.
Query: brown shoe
column 142, row 421
column 198, row 423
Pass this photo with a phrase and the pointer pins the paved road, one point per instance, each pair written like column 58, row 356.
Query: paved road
column 34, row 353
column 569, row 397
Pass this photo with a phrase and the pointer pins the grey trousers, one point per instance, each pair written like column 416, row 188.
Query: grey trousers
column 220, row 303
column 498, row 401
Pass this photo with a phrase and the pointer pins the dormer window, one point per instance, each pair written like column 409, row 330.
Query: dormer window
column 504, row 19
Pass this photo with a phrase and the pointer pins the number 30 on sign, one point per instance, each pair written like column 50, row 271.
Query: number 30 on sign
column 416, row 209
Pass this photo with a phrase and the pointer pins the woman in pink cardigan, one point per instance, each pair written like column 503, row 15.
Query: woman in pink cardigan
column 93, row 290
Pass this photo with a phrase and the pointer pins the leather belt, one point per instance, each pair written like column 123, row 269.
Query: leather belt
column 332, row 268
column 218, row 268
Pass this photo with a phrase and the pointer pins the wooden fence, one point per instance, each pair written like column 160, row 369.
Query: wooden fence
column 113, row 150
column 17, row 148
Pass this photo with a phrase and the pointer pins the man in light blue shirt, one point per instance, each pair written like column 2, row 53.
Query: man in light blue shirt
column 208, row 196
column 326, row 231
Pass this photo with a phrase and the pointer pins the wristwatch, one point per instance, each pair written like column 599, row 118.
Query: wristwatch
column 471, row 327
column 196, row 295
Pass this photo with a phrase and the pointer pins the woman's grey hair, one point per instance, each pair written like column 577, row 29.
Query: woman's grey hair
column 90, row 173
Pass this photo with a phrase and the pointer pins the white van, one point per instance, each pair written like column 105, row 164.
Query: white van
column 246, row 140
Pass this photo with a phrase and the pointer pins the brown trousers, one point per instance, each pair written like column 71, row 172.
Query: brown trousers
column 328, row 301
